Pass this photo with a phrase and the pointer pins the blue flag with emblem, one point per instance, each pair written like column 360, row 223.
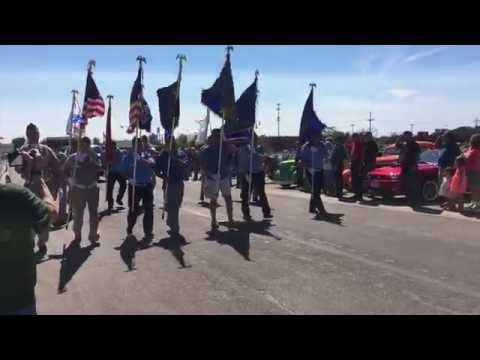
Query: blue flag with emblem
column 246, row 114
column 310, row 124
column 220, row 98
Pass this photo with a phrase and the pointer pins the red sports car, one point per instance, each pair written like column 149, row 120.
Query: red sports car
column 385, row 181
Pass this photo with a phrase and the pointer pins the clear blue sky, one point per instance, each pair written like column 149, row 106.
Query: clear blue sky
column 430, row 86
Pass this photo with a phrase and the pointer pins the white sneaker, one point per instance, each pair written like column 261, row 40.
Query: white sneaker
column 470, row 206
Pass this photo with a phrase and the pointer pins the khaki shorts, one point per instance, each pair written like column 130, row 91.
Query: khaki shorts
column 212, row 187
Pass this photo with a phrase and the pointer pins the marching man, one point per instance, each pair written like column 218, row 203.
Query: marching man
column 39, row 161
column 142, row 185
column 82, row 168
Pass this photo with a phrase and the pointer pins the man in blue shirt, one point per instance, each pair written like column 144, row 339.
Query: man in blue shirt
column 173, row 182
column 115, row 174
column 143, row 182
column 312, row 156
column 213, row 184
column 257, row 157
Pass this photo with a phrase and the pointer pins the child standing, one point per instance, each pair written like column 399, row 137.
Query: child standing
column 444, row 190
column 458, row 184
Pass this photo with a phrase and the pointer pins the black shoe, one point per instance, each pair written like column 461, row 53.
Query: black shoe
column 119, row 202
column 267, row 216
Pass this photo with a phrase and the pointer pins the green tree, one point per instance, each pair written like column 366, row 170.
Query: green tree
column 182, row 140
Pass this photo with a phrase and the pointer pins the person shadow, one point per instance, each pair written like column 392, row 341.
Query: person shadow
column 174, row 244
column 238, row 235
column 72, row 259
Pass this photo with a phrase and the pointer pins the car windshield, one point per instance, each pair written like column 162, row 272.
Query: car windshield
column 391, row 151
column 430, row 156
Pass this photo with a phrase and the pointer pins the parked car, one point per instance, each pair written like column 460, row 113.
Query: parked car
column 385, row 181
column 286, row 176
column 389, row 157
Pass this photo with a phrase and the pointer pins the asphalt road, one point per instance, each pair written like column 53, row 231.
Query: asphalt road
column 376, row 259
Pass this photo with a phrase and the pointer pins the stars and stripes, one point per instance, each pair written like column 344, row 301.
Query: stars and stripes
column 139, row 115
column 93, row 104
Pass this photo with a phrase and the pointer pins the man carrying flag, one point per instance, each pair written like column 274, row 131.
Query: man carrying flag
column 83, row 167
column 313, row 153
column 216, row 158
column 251, row 158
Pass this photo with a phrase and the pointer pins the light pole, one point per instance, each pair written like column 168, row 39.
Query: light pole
column 370, row 122
column 278, row 119
column 353, row 128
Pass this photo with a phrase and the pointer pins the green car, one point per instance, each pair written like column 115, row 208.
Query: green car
column 286, row 175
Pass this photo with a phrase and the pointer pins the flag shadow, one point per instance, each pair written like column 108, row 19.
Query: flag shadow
column 238, row 235
column 72, row 260
column 127, row 249
column 107, row 212
column 174, row 244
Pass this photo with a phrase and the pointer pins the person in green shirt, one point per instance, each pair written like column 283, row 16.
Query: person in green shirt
column 22, row 215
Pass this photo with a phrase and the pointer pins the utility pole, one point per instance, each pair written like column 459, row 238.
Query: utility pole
column 477, row 122
column 353, row 128
column 370, row 122
column 411, row 127
column 278, row 119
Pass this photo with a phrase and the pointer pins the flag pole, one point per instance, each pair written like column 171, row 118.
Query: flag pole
column 140, row 60
column 109, row 97
column 222, row 133
column 181, row 58
column 312, row 85
column 252, row 150
column 74, row 99
column 90, row 66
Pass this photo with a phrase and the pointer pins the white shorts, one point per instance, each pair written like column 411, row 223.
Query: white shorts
column 212, row 187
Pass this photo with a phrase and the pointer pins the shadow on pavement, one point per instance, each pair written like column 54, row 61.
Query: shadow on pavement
column 238, row 235
column 107, row 212
column 331, row 218
column 128, row 248
column 73, row 258
column 174, row 244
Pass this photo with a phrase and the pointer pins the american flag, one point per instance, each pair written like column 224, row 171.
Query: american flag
column 93, row 104
column 139, row 115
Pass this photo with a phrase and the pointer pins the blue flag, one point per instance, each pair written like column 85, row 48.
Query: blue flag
column 310, row 124
column 220, row 98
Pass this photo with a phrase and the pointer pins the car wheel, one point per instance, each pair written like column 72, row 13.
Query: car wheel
column 430, row 190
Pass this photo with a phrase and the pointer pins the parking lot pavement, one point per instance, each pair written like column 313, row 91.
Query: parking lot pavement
column 371, row 260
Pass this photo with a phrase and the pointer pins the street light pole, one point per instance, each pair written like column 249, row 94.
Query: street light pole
column 411, row 127
column 370, row 122
column 353, row 128
column 278, row 119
